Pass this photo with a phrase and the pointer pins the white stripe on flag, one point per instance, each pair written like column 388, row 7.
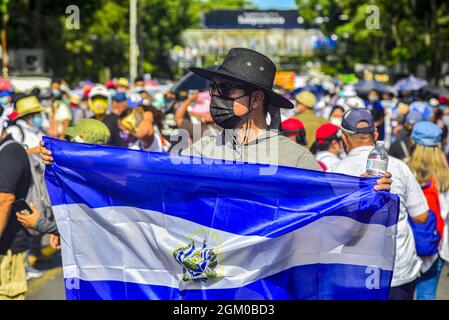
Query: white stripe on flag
column 136, row 245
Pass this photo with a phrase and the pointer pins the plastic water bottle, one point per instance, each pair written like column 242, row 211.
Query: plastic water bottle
column 377, row 163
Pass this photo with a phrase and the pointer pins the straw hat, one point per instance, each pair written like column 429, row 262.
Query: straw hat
column 28, row 105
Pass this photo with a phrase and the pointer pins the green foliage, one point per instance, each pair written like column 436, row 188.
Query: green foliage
column 411, row 32
column 101, row 45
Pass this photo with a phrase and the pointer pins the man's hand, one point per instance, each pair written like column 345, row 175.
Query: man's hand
column 383, row 183
column 55, row 242
column 46, row 157
column 29, row 220
column 422, row 218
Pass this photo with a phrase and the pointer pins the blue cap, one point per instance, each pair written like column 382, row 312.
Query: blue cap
column 352, row 117
column 413, row 117
column 120, row 97
column 423, row 108
column 6, row 93
column 427, row 134
column 134, row 100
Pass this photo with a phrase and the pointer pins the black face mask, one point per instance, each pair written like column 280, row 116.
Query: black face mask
column 222, row 111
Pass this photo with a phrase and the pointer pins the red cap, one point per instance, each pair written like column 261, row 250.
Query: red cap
column 443, row 101
column 325, row 131
column 110, row 84
column 5, row 85
column 292, row 124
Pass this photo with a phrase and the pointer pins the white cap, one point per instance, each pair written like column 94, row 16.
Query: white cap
column 99, row 90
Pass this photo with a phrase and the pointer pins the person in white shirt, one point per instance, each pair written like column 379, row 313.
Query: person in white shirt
column 327, row 144
column 359, row 137
column 428, row 164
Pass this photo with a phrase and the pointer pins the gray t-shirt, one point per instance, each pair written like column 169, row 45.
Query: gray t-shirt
column 269, row 148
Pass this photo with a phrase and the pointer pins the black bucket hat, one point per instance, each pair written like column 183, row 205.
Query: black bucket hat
column 251, row 68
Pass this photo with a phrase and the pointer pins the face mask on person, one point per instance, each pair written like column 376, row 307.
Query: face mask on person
column 222, row 112
column 169, row 102
column 336, row 121
column 146, row 102
column 37, row 120
column 98, row 105
column 56, row 93
column 373, row 98
column 4, row 101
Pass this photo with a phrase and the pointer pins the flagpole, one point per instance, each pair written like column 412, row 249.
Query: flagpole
column 133, row 41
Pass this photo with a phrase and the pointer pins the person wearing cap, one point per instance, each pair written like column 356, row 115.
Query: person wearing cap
column 99, row 102
column 328, row 144
column 401, row 148
column 122, row 84
column 294, row 129
column 28, row 123
column 428, row 164
column 88, row 131
column 242, row 96
column 119, row 103
column 6, row 92
column 305, row 101
column 134, row 100
column 359, row 138
column 110, row 85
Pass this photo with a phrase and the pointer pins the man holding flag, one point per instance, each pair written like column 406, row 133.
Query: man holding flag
column 242, row 97
column 159, row 229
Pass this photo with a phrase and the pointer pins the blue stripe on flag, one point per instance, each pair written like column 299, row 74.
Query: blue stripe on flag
column 316, row 281
column 280, row 203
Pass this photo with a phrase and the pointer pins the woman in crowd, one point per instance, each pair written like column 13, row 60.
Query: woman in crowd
column 428, row 164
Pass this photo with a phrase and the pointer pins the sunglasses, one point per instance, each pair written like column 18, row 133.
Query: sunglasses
column 224, row 89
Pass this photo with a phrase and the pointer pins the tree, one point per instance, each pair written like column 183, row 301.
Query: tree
column 411, row 32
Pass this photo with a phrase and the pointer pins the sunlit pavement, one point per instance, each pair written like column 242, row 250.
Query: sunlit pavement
column 51, row 285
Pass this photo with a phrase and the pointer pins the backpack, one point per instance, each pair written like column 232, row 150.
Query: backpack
column 428, row 235
column 427, row 238
column 37, row 193
column 433, row 201
column 20, row 135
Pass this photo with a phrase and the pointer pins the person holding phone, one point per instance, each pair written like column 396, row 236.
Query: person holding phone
column 15, row 173
column 30, row 218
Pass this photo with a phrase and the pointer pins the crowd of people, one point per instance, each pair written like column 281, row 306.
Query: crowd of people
column 333, row 130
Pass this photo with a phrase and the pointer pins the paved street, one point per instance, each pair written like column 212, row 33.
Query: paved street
column 51, row 285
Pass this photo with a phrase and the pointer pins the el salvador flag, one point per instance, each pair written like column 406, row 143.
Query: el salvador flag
column 136, row 225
